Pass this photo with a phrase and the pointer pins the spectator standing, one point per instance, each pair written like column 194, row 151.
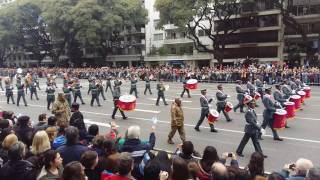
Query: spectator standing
column 89, row 160
column 73, row 171
column 24, row 131
column 125, row 167
column 42, row 124
column 76, row 120
column 52, row 169
column 8, row 141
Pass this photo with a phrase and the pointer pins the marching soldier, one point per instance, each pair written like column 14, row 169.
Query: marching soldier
column 270, row 109
column 293, row 85
column 9, row 92
column 251, row 89
column 67, row 92
column 286, row 90
column 277, row 96
column 204, row 103
column 299, row 84
column 100, row 90
column 161, row 89
column 33, row 90
column 1, row 83
column 147, row 80
column 116, row 95
column 251, row 130
column 133, row 87
column 35, row 79
column 221, row 102
column 259, row 86
column 20, row 88
column 177, row 119
column 94, row 93
column 240, row 96
column 108, row 84
column 50, row 94
column 77, row 91
column 185, row 87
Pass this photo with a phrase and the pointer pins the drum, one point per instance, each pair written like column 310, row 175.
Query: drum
column 257, row 96
column 307, row 89
column 296, row 100
column 290, row 109
column 279, row 119
column 247, row 98
column 192, row 84
column 213, row 116
column 303, row 95
column 228, row 107
column 127, row 102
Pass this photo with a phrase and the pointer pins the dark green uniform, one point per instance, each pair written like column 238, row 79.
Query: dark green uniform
column 108, row 84
column 240, row 96
column 20, row 88
column 185, row 88
column 268, row 119
column 116, row 95
column 77, row 93
column 148, row 87
column 33, row 90
column 133, row 87
column 161, row 90
column 9, row 93
column 100, row 91
column 94, row 94
column 67, row 94
column 204, row 103
column 50, row 95
column 221, row 103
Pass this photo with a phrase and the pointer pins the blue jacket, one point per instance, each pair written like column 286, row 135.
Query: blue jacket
column 71, row 153
column 131, row 145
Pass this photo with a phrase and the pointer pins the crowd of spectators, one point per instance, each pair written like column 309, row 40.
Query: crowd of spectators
column 268, row 73
column 46, row 151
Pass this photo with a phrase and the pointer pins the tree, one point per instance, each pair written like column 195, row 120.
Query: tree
column 191, row 16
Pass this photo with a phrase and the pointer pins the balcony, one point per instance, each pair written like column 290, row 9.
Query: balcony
column 169, row 26
column 177, row 41
column 133, row 57
column 202, row 56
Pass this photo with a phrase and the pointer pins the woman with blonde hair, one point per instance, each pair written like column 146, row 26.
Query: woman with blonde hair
column 61, row 110
column 40, row 145
column 8, row 141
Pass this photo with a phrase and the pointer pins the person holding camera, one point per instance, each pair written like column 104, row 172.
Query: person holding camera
column 252, row 129
column 299, row 169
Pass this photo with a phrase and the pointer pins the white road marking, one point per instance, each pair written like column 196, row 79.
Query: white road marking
column 171, row 100
column 88, row 121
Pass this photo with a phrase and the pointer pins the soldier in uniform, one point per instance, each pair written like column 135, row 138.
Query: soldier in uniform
column 293, row 85
column 100, row 89
column 185, row 87
column 251, row 89
column 9, row 92
column 270, row 109
column 299, row 84
column 67, row 93
column 221, row 102
column 277, row 96
column 133, row 87
column 108, row 84
column 161, row 89
column 177, row 119
column 204, row 103
column 33, row 90
column 259, row 86
column 286, row 90
column 20, row 88
column 240, row 96
column 94, row 93
column 77, row 91
column 35, row 79
column 116, row 95
column 50, row 94
column 251, row 130
column 1, row 83
column 147, row 80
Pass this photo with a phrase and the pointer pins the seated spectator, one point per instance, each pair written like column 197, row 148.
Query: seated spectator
column 73, row 171
column 40, row 145
column 108, row 161
column 219, row 171
column 125, row 163
column 42, row 124
column 52, row 169
column 97, row 144
column 52, row 134
column 24, row 131
column 256, row 165
column 89, row 160
column 60, row 139
column 73, row 150
column 313, row 174
column 5, row 146
column 300, row 169
column 180, row 169
column 16, row 167
column 77, row 121
column 93, row 131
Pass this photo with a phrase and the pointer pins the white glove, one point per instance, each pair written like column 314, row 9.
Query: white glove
column 263, row 132
column 228, row 96
column 287, row 100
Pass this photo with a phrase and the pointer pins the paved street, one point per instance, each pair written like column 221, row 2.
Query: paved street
column 301, row 140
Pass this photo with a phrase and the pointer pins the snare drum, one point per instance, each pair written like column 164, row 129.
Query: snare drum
column 213, row 116
column 303, row 95
column 192, row 84
column 257, row 96
column 228, row 107
column 247, row 98
column 279, row 119
column 307, row 89
column 127, row 102
column 296, row 100
column 290, row 109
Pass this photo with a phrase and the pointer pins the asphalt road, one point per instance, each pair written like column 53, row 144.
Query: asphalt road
column 301, row 140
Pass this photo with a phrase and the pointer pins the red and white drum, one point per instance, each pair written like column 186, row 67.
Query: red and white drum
column 213, row 116
column 297, row 101
column 228, row 107
column 192, row 84
column 127, row 102
column 257, row 96
column 247, row 98
column 279, row 119
column 303, row 95
column 307, row 89
column 290, row 109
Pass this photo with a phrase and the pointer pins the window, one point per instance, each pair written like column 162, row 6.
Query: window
column 155, row 23
column 158, row 37
column 201, row 32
